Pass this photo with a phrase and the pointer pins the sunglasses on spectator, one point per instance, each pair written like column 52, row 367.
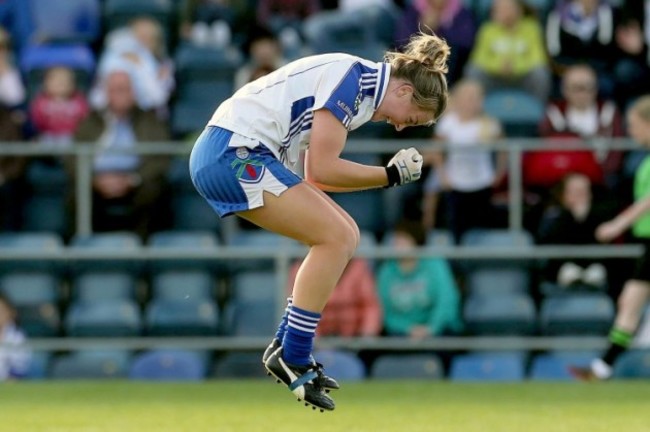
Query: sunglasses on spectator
column 580, row 88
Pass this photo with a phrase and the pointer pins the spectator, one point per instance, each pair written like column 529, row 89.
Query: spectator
column 449, row 19
column 140, row 50
column 13, row 190
column 14, row 356
column 419, row 296
column 509, row 51
column 572, row 220
column 353, row 309
column 208, row 22
column 128, row 188
column 12, row 91
column 582, row 31
column 279, row 15
column 265, row 55
column 579, row 115
column 467, row 173
column 58, row 108
column 632, row 37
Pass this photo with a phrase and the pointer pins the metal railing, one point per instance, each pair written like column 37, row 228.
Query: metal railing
column 283, row 256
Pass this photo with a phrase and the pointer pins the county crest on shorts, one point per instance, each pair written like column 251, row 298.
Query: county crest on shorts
column 248, row 170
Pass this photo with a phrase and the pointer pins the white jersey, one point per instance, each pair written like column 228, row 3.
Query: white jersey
column 277, row 110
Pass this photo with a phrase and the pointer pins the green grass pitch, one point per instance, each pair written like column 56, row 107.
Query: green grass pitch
column 249, row 406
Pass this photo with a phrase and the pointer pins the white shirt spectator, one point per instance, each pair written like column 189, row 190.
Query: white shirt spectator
column 468, row 167
column 14, row 355
column 12, row 91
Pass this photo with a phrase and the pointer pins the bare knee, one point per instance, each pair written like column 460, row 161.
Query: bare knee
column 344, row 236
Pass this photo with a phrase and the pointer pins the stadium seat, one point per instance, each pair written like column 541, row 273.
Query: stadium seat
column 240, row 365
column 634, row 364
column 578, row 314
column 68, row 21
column 169, row 365
column 205, row 79
column 104, row 286
column 39, row 320
column 487, row 367
column 497, row 281
column 190, row 241
column 39, row 365
column 104, row 319
column 554, row 366
column 334, row 31
column 343, row 365
column 29, row 242
column 252, row 308
column 189, row 210
column 47, row 184
column 407, row 366
column 118, row 13
column 189, row 317
column 111, row 242
column 182, row 285
column 91, row 364
column 509, row 314
column 30, row 288
column 365, row 207
column 36, row 59
column 518, row 111
column 496, row 238
column 260, row 240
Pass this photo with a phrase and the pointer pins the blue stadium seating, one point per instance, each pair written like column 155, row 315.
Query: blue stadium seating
column 169, row 365
column 39, row 365
column 189, row 317
column 497, row 281
column 510, row 314
column 118, row 13
column 343, row 365
column 261, row 240
column 189, row 210
column 39, row 320
column 487, row 367
column 407, row 366
column 181, row 285
column 577, row 314
column 36, row 59
column 48, row 184
column 205, row 79
column 518, row 111
column 104, row 319
column 104, row 286
column 30, row 288
column 71, row 20
column 634, row 364
column 190, row 241
column 554, row 366
column 111, row 242
column 495, row 238
column 92, row 364
column 240, row 365
column 251, row 310
column 26, row 242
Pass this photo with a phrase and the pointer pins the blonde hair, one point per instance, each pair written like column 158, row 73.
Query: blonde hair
column 424, row 64
column 641, row 106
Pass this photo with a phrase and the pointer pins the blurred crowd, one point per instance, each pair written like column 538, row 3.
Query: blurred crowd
column 118, row 73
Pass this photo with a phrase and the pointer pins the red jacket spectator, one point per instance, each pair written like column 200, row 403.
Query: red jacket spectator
column 580, row 115
column 58, row 116
column 353, row 309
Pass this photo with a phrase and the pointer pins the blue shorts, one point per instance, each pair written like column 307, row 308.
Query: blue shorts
column 232, row 172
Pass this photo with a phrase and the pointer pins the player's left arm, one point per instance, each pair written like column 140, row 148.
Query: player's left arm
column 324, row 166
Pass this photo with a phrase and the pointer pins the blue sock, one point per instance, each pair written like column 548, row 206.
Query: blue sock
column 299, row 338
column 282, row 328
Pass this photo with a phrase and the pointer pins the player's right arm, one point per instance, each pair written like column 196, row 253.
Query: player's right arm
column 610, row 230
